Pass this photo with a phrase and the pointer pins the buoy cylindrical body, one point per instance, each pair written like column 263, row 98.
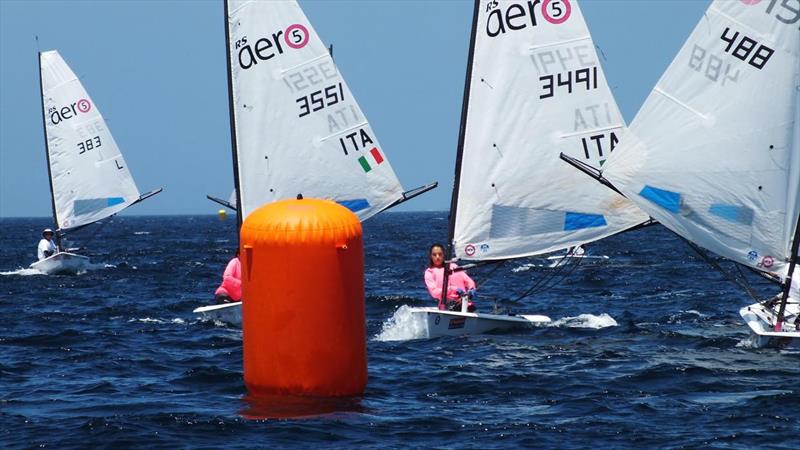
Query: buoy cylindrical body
column 303, row 316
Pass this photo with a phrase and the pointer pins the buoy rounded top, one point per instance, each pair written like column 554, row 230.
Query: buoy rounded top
column 306, row 219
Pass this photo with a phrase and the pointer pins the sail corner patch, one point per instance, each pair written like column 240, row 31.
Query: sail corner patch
column 671, row 201
column 578, row 221
column 111, row 201
column 91, row 205
column 355, row 205
column 732, row 213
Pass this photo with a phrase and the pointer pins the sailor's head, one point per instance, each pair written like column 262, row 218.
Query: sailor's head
column 48, row 233
column 436, row 255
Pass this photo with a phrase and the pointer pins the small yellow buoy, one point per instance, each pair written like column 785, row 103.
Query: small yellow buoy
column 222, row 214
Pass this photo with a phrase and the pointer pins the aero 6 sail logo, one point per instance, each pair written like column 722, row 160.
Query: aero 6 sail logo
column 518, row 16
column 57, row 115
column 295, row 36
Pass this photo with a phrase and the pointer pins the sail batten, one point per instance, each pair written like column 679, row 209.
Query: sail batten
column 90, row 179
column 297, row 126
column 536, row 90
column 713, row 153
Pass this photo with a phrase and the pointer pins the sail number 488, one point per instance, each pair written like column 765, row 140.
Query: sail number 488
column 320, row 99
column 89, row 144
column 745, row 47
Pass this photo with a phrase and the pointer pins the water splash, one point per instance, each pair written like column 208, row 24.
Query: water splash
column 23, row 272
column 403, row 326
column 527, row 267
column 586, row 321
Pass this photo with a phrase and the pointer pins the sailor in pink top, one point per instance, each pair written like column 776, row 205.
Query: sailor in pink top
column 459, row 283
column 231, row 288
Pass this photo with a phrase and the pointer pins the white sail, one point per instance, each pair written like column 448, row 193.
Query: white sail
column 713, row 154
column 536, row 90
column 298, row 128
column 89, row 176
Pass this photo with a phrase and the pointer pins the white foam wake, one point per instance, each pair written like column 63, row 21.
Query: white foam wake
column 586, row 321
column 23, row 272
column 403, row 326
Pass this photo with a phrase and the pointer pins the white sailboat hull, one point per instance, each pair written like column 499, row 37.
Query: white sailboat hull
column 226, row 312
column 455, row 323
column 761, row 319
column 62, row 263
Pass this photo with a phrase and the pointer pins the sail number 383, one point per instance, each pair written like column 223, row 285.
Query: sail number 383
column 320, row 99
column 89, row 144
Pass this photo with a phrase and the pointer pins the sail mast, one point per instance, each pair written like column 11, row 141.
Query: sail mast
column 460, row 152
column 788, row 285
column 234, row 149
column 47, row 152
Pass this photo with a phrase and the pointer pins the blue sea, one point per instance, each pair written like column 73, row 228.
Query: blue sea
column 646, row 350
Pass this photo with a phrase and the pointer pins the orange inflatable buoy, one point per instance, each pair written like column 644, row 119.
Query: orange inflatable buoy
column 303, row 314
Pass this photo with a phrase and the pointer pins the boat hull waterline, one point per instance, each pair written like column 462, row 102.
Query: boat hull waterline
column 62, row 263
column 761, row 319
column 438, row 322
column 456, row 323
column 226, row 312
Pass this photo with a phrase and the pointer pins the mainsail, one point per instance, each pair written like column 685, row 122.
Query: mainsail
column 297, row 126
column 714, row 152
column 535, row 89
column 89, row 177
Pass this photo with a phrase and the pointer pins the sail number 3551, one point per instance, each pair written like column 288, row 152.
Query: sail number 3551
column 320, row 99
column 89, row 144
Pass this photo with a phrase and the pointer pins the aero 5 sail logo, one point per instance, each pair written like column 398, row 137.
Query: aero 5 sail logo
column 518, row 16
column 295, row 36
column 57, row 115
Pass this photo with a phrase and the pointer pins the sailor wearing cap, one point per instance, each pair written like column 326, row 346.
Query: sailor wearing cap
column 47, row 247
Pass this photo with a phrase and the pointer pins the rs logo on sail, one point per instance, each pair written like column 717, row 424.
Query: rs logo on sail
column 67, row 112
column 518, row 16
column 296, row 36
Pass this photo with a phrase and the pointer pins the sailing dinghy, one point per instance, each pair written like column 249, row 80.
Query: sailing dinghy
column 714, row 152
column 295, row 126
column 89, row 179
column 534, row 88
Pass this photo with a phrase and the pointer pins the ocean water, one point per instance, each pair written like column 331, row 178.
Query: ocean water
column 646, row 351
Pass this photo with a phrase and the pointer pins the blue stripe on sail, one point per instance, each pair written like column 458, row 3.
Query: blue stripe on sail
column 732, row 213
column 115, row 201
column 355, row 205
column 91, row 205
column 577, row 221
column 671, row 201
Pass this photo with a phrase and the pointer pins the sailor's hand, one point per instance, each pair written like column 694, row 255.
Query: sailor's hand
column 460, row 292
column 472, row 293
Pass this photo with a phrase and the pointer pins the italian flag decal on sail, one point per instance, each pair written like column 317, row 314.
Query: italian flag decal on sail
column 365, row 163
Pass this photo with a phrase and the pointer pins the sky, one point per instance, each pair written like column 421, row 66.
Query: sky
column 156, row 71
